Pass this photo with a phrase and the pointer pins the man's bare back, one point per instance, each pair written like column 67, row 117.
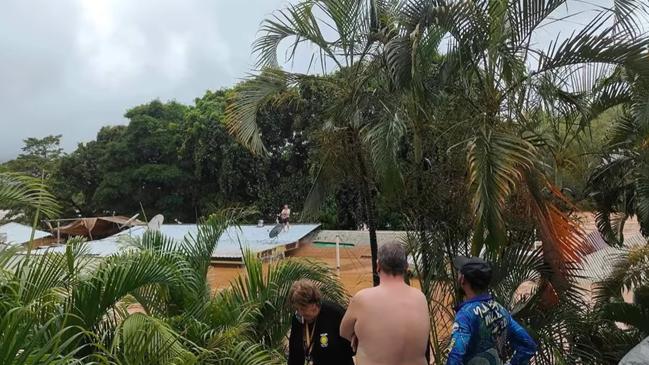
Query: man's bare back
column 391, row 324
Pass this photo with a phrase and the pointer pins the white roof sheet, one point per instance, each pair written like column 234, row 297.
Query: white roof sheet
column 19, row 233
column 598, row 265
column 253, row 237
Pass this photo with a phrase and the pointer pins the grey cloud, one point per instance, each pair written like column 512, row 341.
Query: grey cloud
column 71, row 66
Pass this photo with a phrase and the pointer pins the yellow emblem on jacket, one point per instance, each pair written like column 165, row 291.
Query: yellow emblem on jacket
column 324, row 340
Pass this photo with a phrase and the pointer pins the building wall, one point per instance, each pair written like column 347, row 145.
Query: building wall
column 358, row 238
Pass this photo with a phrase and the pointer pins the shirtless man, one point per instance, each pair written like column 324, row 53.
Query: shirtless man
column 389, row 324
column 284, row 217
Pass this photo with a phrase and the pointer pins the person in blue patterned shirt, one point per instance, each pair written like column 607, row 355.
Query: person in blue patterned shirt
column 484, row 332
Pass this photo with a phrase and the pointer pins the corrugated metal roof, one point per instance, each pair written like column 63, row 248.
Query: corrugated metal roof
column 253, row 237
column 19, row 233
column 635, row 240
column 596, row 240
column 598, row 265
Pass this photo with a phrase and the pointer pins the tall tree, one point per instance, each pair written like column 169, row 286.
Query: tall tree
column 506, row 77
column 40, row 159
column 619, row 184
column 80, row 173
column 351, row 104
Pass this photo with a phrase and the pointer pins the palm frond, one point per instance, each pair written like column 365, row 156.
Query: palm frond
column 40, row 278
column 516, row 265
column 610, row 92
column 629, row 270
column 398, row 55
column 247, row 353
column 496, row 163
column 384, row 139
column 525, row 16
column 25, row 340
column 349, row 20
column 623, row 131
column 594, row 43
column 241, row 111
column 296, row 21
column 116, row 277
column 143, row 339
column 271, row 288
column 16, row 189
column 563, row 240
column 610, row 185
column 629, row 15
column 642, row 199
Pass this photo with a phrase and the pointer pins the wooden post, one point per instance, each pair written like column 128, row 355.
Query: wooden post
column 338, row 254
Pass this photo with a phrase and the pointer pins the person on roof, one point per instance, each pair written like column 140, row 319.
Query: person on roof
column 284, row 217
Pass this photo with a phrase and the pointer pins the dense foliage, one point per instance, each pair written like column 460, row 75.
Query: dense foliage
column 445, row 118
column 68, row 308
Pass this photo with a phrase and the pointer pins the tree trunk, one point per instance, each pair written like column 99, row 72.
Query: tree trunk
column 369, row 205
column 371, row 222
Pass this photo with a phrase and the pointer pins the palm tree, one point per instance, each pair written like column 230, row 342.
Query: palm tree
column 268, row 290
column 507, row 81
column 32, row 331
column 629, row 274
column 619, row 185
column 252, row 311
column 71, row 308
column 16, row 189
column 503, row 77
column 353, row 104
column 22, row 190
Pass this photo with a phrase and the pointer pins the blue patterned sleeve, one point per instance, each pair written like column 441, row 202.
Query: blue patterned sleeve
column 459, row 339
column 522, row 343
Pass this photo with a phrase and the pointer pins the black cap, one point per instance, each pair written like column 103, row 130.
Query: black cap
column 476, row 270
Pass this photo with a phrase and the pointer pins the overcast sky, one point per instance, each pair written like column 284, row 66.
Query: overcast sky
column 71, row 66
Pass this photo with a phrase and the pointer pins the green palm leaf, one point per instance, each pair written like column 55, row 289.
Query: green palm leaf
column 250, row 96
column 496, row 163
column 116, row 277
column 141, row 339
column 24, row 340
column 296, row 21
column 270, row 290
column 383, row 140
column 18, row 189
column 594, row 43
column 627, row 313
column 247, row 353
column 629, row 270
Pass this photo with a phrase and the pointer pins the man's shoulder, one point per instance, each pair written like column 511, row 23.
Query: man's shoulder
column 364, row 293
column 417, row 293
